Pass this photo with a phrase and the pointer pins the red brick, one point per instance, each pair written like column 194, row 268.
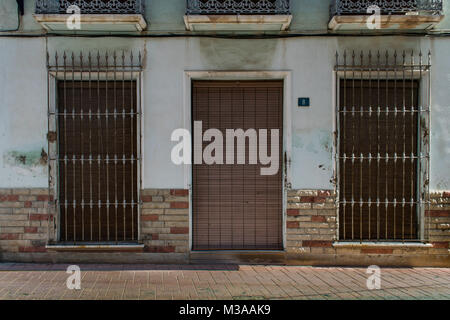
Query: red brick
column 38, row 217
column 155, row 236
column 150, row 217
column 179, row 205
column 146, row 198
column 320, row 199
column 324, row 193
column 292, row 212
column 13, row 197
column 179, row 230
column 437, row 213
column 318, row 219
column 440, row 245
column 307, row 199
column 44, row 198
column 160, row 249
column 179, row 192
column 317, row 244
column 28, row 204
column 377, row 251
column 30, row 229
column 292, row 224
column 32, row 249
column 9, row 236
column 9, row 198
column 310, row 199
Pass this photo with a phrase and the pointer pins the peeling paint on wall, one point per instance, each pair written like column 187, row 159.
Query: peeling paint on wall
column 441, row 145
column 311, row 148
column 26, row 163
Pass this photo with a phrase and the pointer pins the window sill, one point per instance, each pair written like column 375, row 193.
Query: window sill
column 237, row 22
column 346, row 244
column 388, row 23
column 94, row 22
column 96, row 248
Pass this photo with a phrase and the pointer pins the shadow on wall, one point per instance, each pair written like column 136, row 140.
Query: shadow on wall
column 116, row 267
column 238, row 54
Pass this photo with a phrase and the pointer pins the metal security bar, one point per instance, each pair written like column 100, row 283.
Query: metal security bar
column 382, row 146
column 349, row 7
column 91, row 6
column 238, row 7
column 95, row 154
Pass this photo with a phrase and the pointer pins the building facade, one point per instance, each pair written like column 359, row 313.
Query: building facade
column 120, row 118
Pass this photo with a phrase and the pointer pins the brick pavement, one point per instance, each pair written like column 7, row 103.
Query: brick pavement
column 40, row 281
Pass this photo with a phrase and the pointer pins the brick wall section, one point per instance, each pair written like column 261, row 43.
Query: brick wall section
column 438, row 221
column 24, row 215
column 311, row 221
column 311, row 226
column 165, row 220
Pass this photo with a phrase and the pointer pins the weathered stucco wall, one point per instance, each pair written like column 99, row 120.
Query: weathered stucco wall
column 9, row 20
column 311, row 127
column 440, row 116
column 163, row 15
column 310, row 61
column 23, row 120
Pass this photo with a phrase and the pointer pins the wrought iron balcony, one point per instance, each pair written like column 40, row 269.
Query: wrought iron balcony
column 241, row 7
column 387, row 7
column 91, row 6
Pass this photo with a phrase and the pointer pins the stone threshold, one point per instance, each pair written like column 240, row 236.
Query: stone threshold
column 96, row 247
column 238, row 256
column 347, row 244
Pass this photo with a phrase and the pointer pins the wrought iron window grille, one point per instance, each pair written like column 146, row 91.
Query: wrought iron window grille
column 94, row 115
column 387, row 7
column 244, row 7
column 91, row 6
column 382, row 144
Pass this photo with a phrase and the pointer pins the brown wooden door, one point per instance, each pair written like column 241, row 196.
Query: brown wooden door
column 234, row 206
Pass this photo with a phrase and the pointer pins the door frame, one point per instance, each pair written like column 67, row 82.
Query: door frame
column 286, row 77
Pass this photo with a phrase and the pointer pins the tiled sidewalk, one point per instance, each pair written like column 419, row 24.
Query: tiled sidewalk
column 37, row 281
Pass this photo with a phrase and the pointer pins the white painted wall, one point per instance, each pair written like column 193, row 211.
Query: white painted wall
column 311, row 128
column 23, row 117
column 310, row 60
column 440, row 116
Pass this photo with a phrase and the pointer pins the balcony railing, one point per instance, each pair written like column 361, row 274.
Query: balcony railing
column 91, row 6
column 232, row 7
column 387, row 7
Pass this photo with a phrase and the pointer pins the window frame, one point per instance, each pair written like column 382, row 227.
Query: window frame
column 384, row 71
column 56, row 73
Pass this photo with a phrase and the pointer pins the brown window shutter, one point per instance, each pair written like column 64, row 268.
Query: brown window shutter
column 234, row 206
column 85, row 185
column 380, row 166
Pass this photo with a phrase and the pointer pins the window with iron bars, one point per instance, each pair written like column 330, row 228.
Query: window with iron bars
column 94, row 109
column 382, row 153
